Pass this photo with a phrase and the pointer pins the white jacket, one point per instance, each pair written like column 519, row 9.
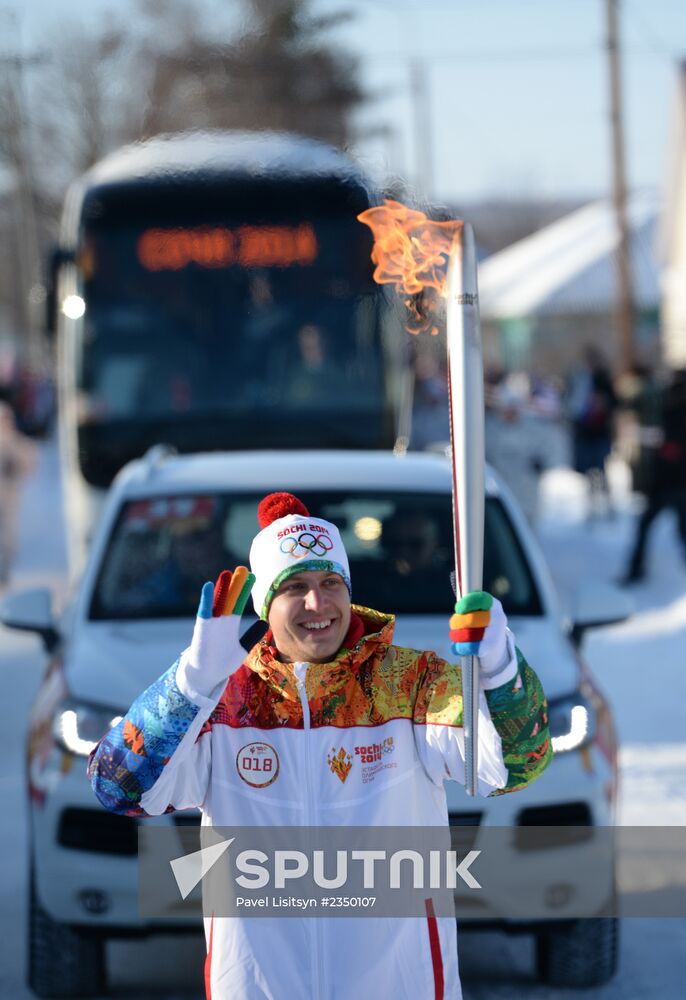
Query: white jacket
column 308, row 725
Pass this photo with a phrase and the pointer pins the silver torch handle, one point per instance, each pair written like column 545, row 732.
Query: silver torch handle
column 466, row 394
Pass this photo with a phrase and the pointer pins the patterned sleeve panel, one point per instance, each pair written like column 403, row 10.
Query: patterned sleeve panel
column 520, row 715
column 127, row 765
column 439, row 733
column 438, row 698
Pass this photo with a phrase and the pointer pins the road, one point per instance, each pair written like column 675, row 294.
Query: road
column 493, row 965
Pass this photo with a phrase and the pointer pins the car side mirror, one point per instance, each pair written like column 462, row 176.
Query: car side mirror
column 596, row 604
column 31, row 611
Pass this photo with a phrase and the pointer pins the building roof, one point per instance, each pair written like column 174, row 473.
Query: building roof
column 569, row 267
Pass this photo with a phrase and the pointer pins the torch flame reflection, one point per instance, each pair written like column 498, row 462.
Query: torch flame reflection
column 411, row 252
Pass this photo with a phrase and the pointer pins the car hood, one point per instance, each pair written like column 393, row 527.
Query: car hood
column 110, row 663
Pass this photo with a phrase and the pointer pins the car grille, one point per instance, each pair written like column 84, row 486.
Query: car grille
column 465, row 818
column 573, row 822
column 187, row 818
column 98, row 831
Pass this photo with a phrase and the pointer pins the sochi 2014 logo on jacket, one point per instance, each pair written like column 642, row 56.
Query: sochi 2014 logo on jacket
column 375, row 757
column 257, row 764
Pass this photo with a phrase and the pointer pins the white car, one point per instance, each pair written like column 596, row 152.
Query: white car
column 170, row 523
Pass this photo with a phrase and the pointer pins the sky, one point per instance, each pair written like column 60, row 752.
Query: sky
column 515, row 91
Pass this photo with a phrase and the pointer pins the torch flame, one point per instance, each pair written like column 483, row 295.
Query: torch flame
column 411, row 252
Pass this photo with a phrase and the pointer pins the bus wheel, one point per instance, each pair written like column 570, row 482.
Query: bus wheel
column 62, row 962
column 578, row 954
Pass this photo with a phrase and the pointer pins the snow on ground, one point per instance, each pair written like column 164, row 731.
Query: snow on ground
column 641, row 663
column 41, row 553
column 653, row 784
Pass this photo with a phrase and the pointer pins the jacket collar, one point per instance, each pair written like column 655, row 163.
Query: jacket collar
column 376, row 638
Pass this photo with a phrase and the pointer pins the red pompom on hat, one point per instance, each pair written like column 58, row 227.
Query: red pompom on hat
column 288, row 543
column 278, row 505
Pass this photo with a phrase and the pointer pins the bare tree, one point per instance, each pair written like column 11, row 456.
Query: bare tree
column 19, row 218
column 81, row 100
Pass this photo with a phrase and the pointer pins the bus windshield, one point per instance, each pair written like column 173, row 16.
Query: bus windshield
column 228, row 325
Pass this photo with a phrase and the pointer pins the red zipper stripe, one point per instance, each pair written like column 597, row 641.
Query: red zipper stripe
column 435, row 944
column 208, row 964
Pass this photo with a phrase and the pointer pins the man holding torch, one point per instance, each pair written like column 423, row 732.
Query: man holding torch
column 325, row 679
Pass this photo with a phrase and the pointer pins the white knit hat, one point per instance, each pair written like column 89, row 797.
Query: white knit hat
column 291, row 541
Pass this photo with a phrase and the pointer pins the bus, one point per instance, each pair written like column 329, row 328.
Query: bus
column 214, row 291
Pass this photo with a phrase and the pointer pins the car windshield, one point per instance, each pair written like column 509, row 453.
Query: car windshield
column 399, row 545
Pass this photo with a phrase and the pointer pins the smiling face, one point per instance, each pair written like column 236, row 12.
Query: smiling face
column 310, row 616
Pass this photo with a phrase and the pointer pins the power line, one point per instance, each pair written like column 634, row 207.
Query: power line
column 483, row 55
column 508, row 55
column 654, row 46
column 657, row 44
column 397, row 5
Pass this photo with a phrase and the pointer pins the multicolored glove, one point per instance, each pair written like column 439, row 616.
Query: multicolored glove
column 479, row 628
column 216, row 649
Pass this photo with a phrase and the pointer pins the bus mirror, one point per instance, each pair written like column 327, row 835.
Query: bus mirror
column 57, row 257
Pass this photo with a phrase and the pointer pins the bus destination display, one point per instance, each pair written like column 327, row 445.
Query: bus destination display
column 219, row 246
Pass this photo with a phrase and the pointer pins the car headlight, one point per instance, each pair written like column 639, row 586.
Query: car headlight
column 571, row 721
column 78, row 727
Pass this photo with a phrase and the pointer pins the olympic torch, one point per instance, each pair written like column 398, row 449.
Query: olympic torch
column 466, row 395
column 410, row 253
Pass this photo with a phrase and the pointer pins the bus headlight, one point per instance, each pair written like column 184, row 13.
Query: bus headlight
column 73, row 307
column 571, row 721
column 78, row 727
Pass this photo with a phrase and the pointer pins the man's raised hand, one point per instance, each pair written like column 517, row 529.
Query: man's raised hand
column 217, row 649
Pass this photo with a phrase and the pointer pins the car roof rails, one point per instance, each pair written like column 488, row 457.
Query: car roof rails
column 155, row 456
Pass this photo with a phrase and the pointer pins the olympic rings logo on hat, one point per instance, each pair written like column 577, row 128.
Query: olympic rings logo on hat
column 306, row 544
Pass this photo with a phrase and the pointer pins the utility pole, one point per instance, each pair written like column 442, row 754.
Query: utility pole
column 624, row 310
column 423, row 131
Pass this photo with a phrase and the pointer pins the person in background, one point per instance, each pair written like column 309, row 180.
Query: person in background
column 410, row 541
column 545, row 397
column 17, row 459
column 516, row 443
column 195, row 552
column 666, row 486
column 264, row 325
column 640, row 399
column 591, row 405
column 312, row 378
